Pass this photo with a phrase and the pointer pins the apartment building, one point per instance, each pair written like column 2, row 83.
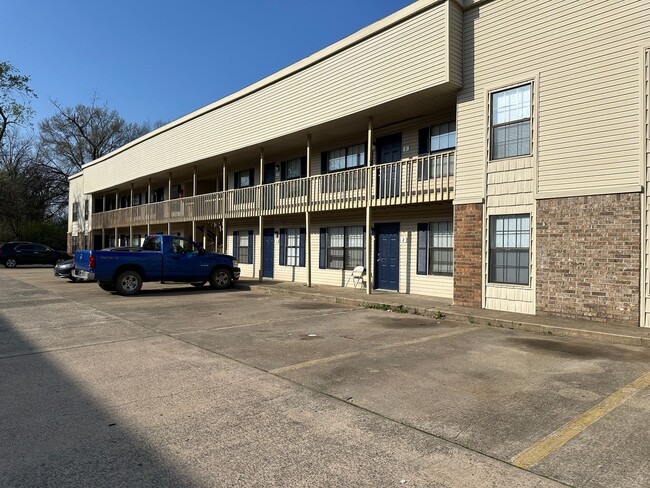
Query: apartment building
column 493, row 153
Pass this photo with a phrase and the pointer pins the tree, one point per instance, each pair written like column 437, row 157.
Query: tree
column 77, row 135
column 15, row 95
column 29, row 193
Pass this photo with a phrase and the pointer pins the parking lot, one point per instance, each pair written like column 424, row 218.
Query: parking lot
column 192, row 387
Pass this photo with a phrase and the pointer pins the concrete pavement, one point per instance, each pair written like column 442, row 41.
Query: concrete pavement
column 187, row 387
column 434, row 307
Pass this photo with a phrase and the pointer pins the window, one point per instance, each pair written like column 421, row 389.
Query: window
column 125, row 201
column 75, row 212
column 87, row 209
column 510, row 120
column 509, row 249
column 292, row 247
column 244, row 179
column 75, row 243
column 344, row 158
column 435, row 248
column 440, row 138
column 342, row 247
column 151, row 243
column 293, row 169
column 242, row 246
column 183, row 246
column 158, row 195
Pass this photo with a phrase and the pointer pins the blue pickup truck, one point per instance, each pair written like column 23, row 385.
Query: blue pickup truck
column 162, row 258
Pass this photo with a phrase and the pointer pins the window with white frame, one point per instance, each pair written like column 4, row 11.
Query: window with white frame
column 346, row 158
column 293, row 247
column 435, row 248
column 344, row 247
column 441, row 247
column 75, row 212
column 510, row 134
column 510, row 249
column 242, row 247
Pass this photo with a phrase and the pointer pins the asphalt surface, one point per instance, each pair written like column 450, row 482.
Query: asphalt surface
column 191, row 387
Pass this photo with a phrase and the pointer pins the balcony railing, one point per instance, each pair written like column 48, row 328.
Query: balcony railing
column 417, row 180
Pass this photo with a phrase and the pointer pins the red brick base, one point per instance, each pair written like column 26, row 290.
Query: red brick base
column 468, row 235
column 588, row 257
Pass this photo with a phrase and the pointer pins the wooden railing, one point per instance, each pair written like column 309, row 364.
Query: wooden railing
column 417, row 180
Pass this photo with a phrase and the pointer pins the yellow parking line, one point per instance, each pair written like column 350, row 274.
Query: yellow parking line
column 551, row 443
column 329, row 359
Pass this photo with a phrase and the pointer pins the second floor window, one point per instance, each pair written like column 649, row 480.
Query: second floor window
column 439, row 137
column 510, row 123
column 87, row 209
column 345, row 158
column 244, row 179
column 75, row 212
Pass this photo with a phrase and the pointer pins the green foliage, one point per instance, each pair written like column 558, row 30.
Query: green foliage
column 15, row 95
column 386, row 308
column 53, row 234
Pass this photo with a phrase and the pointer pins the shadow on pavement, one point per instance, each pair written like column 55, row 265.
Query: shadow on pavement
column 54, row 432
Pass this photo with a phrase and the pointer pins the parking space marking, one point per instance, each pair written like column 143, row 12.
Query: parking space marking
column 554, row 441
column 337, row 357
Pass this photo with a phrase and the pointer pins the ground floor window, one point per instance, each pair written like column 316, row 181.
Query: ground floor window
column 510, row 249
column 292, row 247
column 435, row 253
column 342, row 247
column 243, row 246
column 75, row 243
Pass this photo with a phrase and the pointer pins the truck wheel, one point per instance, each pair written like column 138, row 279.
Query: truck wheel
column 220, row 279
column 107, row 286
column 10, row 263
column 128, row 283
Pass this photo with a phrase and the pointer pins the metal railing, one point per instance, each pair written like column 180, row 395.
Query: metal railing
column 417, row 180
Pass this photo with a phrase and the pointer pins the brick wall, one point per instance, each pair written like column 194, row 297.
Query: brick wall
column 468, row 235
column 588, row 257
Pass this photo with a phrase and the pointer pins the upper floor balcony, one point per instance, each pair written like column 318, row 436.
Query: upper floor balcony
column 409, row 181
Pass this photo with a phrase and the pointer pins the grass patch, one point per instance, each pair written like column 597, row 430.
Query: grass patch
column 386, row 308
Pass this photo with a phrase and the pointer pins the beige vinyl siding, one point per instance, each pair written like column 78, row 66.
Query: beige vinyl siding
column 645, row 304
column 586, row 55
column 76, row 195
column 455, row 44
column 409, row 281
column 331, row 277
column 510, row 191
column 406, row 58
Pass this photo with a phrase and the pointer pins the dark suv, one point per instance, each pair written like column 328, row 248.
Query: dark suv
column 18, row 252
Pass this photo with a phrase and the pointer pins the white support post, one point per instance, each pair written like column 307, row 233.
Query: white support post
column 224, row 184
column 260, row 251
column 308, row 215
column 148, row 200
column 369, row 261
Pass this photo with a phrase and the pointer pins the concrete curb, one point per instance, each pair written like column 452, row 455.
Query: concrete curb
column 474, row 319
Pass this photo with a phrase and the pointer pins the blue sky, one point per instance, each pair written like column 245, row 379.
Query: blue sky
column 161, row 59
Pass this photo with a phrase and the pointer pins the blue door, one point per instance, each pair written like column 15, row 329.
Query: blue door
column 387, row 256
column 267, row 252
column 389, row 150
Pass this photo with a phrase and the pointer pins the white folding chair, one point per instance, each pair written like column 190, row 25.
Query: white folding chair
column 356, row 276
